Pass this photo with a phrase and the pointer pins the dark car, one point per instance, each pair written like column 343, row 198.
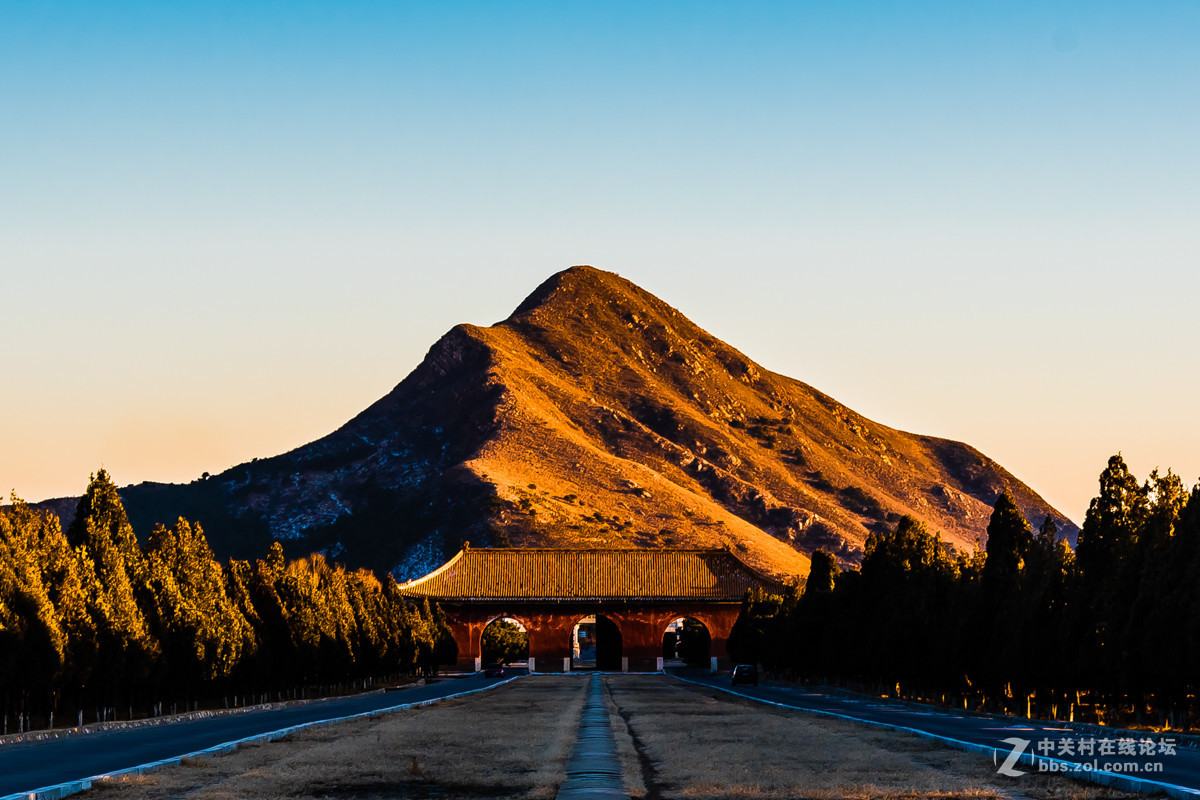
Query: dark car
column 745, row 673
column 493, row 671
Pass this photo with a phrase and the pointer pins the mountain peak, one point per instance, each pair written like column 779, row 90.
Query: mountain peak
column 577, row 288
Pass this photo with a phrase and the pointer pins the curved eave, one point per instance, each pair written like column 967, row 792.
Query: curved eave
column 406, row 587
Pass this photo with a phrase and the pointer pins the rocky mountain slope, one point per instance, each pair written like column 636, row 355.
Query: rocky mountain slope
column 595, row 415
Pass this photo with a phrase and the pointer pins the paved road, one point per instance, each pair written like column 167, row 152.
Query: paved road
column 33, row 765
column 1181, row 769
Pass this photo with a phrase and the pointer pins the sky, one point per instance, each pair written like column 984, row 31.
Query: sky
column 227, row 227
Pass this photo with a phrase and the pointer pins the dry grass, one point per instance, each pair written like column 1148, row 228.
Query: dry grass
column 511, row 742
column 695, row 746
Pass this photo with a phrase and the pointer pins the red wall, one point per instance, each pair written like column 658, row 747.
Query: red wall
column 549, row 626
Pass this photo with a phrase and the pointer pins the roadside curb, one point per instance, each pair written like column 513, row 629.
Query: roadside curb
column 1093, row 776
column 183, row 716
column 1188, row 740
column 60, row 790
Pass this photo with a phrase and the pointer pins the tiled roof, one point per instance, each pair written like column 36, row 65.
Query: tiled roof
column 535, row 574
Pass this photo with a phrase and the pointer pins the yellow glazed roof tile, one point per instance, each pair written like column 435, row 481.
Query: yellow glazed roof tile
column 556, row 574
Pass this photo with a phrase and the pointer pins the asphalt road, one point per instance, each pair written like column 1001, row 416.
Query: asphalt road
column 27, row 766
column 1181, row 769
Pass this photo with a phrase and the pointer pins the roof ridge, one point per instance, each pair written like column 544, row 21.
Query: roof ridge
column 598, row 550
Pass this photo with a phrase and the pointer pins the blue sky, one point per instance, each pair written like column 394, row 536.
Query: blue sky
column 227, row 227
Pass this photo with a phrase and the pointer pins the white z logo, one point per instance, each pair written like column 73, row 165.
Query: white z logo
column 1018, row 747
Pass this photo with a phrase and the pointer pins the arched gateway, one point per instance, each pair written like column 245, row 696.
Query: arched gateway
column 550, row 591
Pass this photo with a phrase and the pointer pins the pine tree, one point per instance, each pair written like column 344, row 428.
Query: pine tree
column 202, row 631
column 405, row 622
column 1048, row 532
column 100, row 524
column 56, row 569
column 504, row 642
column 1002, row 613
column 822, row 575
column 281, row 657
column 365, row 595
column 1107, row 573
column 445, row 648
column 1008, row 540
column 35, row 650
column 254, row 666
column 757, row 636
column 113, row 572
column 1111, row 526
column 1152, row 612
column 908, row 576
column 1043, row 596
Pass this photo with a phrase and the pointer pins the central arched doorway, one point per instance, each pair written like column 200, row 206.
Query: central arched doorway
column 504, row 641
column 596, row 644
column 687, row 642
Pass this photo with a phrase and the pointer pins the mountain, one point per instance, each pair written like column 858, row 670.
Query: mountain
column 595, row 415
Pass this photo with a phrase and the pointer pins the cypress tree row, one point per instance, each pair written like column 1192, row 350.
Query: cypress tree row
column 1109, row 632
column 94, row 626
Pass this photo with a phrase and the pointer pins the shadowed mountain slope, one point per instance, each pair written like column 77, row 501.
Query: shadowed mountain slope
column 596, row 415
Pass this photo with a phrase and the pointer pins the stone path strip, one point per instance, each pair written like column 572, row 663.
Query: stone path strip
column 593, row 770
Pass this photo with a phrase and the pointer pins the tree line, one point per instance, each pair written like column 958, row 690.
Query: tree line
column 94, row 625
column 1108, row 632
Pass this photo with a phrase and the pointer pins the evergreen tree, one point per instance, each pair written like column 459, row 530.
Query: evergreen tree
column 34, row 642
column 695, row 643
column 100, row 524
column 757, row 636
column 1152, row 614
column 504, row 642
column 1107, row 571
column 906, row 587
column 1008, row 540
column 281, row 658
column 1002, row 615
column 822, row 574
column 445, row 648
column 1179, row 612
column 1043, row 596
column 365, row 595
column 203, row 633
column 112, row 572
column 1048, row 532
column 808, row 629
column 50, row 568
column 1111, row 526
